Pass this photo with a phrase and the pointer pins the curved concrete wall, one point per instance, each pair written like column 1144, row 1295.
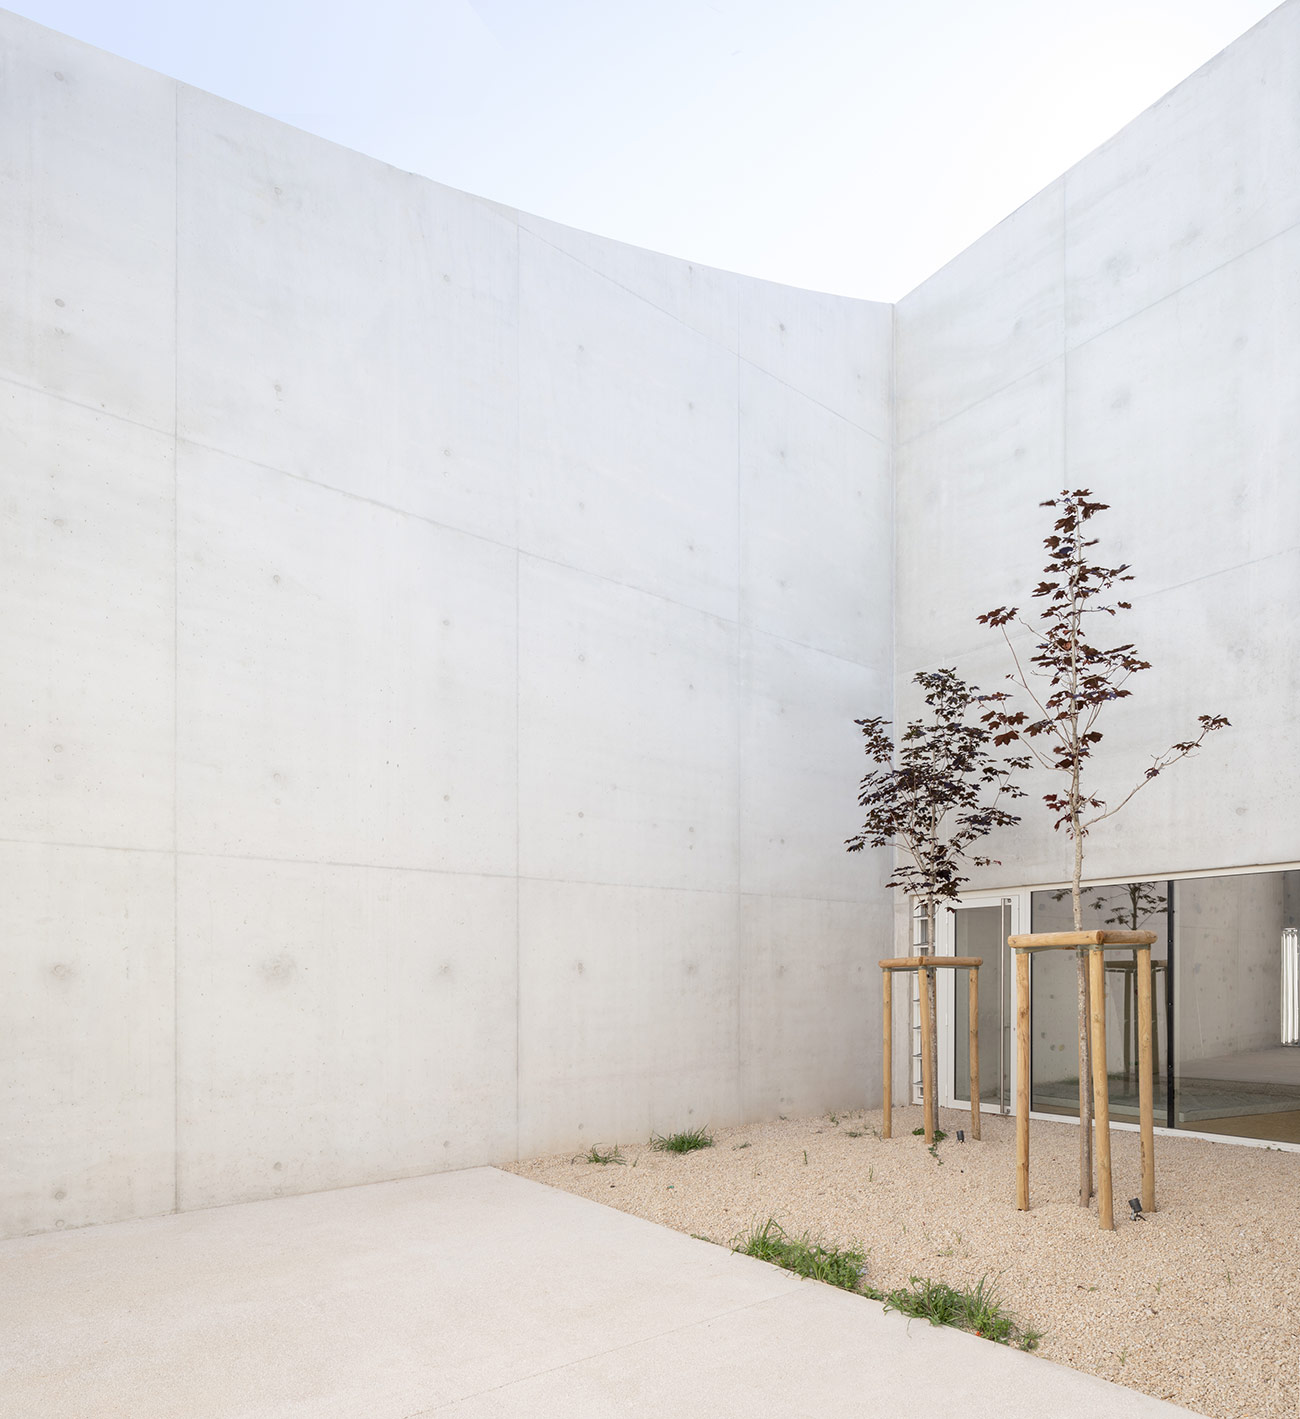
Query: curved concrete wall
column 432, row 637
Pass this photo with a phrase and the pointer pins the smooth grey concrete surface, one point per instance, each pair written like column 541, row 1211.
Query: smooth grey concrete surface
column 1133, row 329
column 474, row 1293
column 433, row 640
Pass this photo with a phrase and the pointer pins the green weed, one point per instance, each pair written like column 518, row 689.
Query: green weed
column 685, row 1142
column 837, row 1266
column 613, row 1156
column 974, row 1308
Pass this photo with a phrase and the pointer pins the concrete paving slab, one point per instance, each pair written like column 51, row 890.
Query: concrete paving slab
column 472, row 1294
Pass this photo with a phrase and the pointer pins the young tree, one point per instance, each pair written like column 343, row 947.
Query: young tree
column 1078, row 680
column 934, row 797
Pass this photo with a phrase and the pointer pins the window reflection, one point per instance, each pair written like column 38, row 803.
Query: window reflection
column 1233, row 1072
column 982, row 932
column 1231, row 983
column 1128, row 906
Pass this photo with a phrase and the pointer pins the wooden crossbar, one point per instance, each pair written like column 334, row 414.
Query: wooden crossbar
column 914, row 963
column 1059, row 940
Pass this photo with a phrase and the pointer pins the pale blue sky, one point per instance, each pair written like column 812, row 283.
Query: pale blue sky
column 846, row 145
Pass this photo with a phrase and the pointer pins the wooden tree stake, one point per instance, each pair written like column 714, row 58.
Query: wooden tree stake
column 973, row 994
column 1022, row 1080
column 887, row 1033
column 1100, row 1089
column 1146, row 1112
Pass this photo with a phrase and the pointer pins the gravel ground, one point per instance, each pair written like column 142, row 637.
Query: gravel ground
column 1198, row 1304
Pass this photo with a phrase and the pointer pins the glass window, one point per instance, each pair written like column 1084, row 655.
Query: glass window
column 982, row 932
column 1129, row 906
column 1236, row 977
column 1231, row 984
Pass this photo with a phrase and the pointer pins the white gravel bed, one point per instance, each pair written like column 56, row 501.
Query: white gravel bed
column 1198, row 1303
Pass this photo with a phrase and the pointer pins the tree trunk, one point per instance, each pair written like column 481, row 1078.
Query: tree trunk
column 1085, row 1042
column 1076, row 899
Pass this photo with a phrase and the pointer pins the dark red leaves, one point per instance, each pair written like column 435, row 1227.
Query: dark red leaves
column 1079, row 679
column 937, row 793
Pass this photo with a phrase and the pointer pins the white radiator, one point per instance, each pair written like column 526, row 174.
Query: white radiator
column 1290, row 985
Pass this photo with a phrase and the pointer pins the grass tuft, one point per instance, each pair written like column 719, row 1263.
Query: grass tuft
column 613, row 1156
column 685, row 1142
column 975, row 1308
column 837, row 1266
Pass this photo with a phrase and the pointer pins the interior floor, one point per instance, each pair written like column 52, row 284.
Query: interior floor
column 1277, row 1065
column 1247, row 1108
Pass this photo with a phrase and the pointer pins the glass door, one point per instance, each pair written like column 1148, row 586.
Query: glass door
column 978, row 926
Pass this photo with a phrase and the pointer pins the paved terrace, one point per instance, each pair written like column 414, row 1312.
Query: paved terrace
column 473, row 1294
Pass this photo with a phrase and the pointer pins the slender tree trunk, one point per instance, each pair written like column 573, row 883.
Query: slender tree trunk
column 1085, row 1043
column 1076, row 898
column 930, row 1001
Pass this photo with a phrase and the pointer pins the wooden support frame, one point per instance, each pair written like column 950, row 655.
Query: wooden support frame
column 923, row 965
column 1096, row 943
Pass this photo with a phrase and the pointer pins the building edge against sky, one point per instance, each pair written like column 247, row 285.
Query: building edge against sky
column 434, row 634
column 1135, row 329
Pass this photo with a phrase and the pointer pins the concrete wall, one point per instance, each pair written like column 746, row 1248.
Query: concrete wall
column 432, row 637
column 433, row 634
column 1134, row 329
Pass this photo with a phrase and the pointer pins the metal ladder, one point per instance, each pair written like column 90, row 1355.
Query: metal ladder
column 919, row 925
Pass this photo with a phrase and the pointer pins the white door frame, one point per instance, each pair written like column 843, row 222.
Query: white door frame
column 1018, row 902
